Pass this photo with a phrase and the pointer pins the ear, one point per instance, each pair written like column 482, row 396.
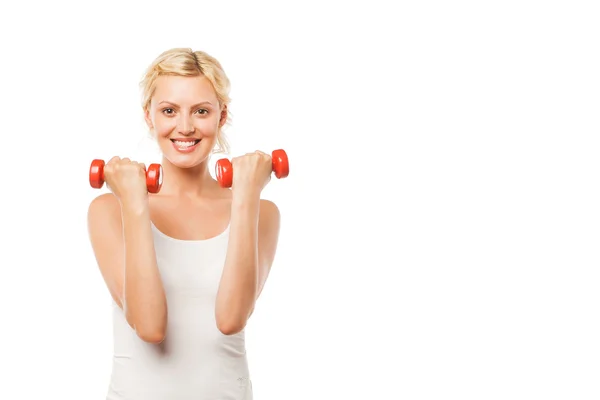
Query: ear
column 223, row 116
column 148, row 119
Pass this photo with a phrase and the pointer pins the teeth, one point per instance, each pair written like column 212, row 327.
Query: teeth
column 184, row 144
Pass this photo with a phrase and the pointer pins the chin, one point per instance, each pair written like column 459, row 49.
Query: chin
column 184, row 162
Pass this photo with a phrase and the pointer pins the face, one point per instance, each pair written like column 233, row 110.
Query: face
column 185, row 116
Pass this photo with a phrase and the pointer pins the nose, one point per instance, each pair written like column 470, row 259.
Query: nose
column 185, row 125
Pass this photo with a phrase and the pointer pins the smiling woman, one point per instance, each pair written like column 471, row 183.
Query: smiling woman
column 186, row 265
column 174, row 107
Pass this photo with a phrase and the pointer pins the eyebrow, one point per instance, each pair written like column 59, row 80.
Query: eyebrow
column 195, row 105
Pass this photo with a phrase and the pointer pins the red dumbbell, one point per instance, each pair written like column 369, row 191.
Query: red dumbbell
column 224, row 170
column 153, row 176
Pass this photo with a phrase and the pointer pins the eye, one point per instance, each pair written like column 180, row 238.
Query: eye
column 170, row 110
column 202, row 111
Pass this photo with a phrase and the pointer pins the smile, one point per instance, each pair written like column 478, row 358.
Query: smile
column 185, row 145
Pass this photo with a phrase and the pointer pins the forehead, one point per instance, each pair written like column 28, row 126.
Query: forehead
column 184, row 90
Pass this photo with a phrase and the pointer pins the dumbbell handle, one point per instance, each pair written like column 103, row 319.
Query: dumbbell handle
column 224, row 169
column 153, row 176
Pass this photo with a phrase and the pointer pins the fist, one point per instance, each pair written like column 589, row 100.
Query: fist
column 126, row 179
column 251, row 172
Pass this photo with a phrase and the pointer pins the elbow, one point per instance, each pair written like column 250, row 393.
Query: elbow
column 153, row 337
column 230, row 329
column 230, row 326
column 154, row 333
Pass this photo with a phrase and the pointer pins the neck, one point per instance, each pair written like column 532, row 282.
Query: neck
column 189, row 182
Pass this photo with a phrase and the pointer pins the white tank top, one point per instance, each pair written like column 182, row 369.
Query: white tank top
column 195, row 361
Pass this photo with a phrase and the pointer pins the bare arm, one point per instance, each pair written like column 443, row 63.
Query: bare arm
column 253, row 240
column 122, row 241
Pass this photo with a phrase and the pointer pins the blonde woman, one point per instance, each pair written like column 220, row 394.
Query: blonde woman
column 186, row 265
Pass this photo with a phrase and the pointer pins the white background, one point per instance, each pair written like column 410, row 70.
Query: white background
column 441, row 219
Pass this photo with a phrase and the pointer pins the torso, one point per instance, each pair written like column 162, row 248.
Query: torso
column 195, row 359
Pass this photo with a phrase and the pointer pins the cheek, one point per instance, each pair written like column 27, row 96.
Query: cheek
column 164, row 126
column 207, row 126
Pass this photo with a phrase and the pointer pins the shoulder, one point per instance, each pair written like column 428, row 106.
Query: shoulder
column 269, row 210
column 269, row 215
column 104, row 201
column 103, row 206
column 104, row 224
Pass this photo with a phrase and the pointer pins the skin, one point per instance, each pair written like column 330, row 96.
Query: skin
column 190, row 205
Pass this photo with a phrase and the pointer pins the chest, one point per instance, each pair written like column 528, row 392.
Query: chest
column 190, row 220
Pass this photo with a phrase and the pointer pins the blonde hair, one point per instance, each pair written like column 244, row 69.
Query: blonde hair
column 186, row 62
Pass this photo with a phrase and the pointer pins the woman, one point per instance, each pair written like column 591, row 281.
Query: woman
column 184, row 266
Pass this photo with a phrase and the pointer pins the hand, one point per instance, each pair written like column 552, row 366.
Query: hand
column 127, row 180
column 251, row 172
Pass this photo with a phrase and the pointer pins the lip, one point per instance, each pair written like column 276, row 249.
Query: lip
column 186, row 149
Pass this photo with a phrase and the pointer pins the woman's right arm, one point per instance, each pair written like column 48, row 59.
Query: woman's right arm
column 121, row 238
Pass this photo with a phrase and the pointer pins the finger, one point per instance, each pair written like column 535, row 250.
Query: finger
column 135, row 164
column 264, row 156
column 108, row 170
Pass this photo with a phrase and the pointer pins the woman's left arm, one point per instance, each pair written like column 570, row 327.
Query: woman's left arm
column 253, row 237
